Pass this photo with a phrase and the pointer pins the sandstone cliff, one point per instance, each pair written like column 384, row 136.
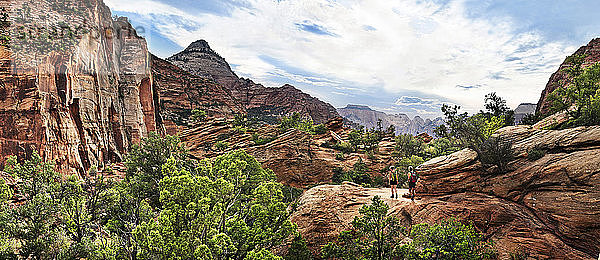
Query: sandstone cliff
column 368, row 117
column 267, row 103
column 79, row 101
column 548, row 207
column 560, row 78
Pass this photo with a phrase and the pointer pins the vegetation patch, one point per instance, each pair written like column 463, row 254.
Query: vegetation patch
column 536, row 154
column 376, row 235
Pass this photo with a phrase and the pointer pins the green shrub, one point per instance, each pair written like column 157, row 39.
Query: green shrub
column 344, row 147
column 531, row 119
column 440, row 147
column 231, row 209
column 583, row 94
column 449, row 239
column 259, row 140
column 340, row 156
column 241, row 120
column 408, row 145
column 298, row 250
column 198, row 115
column 291, row 194
column 306, row 125
column 370, row 155
column 339, row 175
column 222, row 146
column 359, row 174
column 374, row 235
column 320, row 129
column 240, row 130
column 497, row 152
column 535, row 154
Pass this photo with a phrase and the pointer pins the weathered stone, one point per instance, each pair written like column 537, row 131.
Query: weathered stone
column 179, row 92
column 82, row 105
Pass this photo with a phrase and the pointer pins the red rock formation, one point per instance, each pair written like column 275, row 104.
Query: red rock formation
column 560, row 78
column 298, row 159
column 269, row 103
column 80, row 102
column 180, row 92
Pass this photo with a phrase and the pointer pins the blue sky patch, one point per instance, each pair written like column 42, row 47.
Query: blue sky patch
column 314, row 28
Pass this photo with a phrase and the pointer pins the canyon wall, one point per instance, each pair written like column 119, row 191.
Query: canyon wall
column 80, row 97
column 368, row 117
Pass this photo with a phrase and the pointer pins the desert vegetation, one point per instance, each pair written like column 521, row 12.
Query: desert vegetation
column 377, row 235
column 167, row 206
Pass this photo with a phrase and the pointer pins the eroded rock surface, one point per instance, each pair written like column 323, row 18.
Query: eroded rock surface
column 80, row 103
column 179, row 92
column 298, row 158
column 548, row 207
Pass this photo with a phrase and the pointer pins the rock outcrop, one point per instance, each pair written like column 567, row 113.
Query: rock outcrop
column 79, row 101
column 298, row 158
column 561, row 78
column 324, row 211
column 259, row 101
column 547, row 207
column 368, row 117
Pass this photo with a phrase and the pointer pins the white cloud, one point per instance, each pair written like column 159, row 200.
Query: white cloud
column 399, row 45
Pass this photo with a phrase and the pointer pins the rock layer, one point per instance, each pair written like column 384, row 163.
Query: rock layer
column 298, row 158
column 179, row 92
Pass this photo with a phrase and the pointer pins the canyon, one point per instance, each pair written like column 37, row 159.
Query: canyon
column 85, row 104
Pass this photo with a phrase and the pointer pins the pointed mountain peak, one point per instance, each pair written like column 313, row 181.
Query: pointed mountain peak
column 199, row 45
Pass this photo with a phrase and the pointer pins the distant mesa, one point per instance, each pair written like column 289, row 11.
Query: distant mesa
column 523, row 110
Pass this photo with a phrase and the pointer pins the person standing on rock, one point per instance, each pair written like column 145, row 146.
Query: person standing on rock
column 393, row 178
column 412, row 182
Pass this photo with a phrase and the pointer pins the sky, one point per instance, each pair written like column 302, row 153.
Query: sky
column 396, row 56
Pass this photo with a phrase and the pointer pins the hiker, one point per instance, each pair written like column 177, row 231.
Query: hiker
column 393, row 178
column 412, row 182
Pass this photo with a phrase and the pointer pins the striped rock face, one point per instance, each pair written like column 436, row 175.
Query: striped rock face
column 80, row 96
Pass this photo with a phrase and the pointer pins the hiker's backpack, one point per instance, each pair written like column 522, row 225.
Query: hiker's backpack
column 413, row 177
column 395, row 176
